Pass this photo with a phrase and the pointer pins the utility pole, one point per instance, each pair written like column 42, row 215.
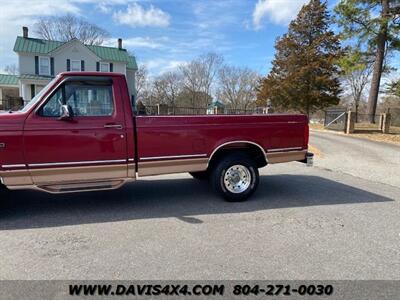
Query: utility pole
column 378, row 65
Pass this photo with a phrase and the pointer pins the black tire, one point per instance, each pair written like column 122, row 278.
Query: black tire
column 3, row 190
column 200, row 175
column 220, row 183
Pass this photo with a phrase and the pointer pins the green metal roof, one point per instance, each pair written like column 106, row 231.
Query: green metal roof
column 32, row 45
column 6, row 79
column 132, row 63
column 39, row 46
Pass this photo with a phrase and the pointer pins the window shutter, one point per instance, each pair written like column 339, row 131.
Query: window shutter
column 82, row 65
column 97, row 66
column 111, row 67
column 68, row 65
column 32, row 91
column 37, row 65
column 52, row 66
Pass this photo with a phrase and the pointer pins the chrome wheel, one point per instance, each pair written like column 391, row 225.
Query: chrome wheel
column 237, row 179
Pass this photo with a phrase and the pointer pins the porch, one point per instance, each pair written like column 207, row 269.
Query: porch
column 31, row 85
column 8, row 89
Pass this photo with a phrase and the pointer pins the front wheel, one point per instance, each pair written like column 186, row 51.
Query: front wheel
column 235, row 177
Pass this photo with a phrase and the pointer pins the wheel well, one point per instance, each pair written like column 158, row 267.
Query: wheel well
column 254, row 151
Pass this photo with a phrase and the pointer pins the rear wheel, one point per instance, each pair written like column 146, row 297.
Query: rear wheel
column 235, row 177
column 200, row 175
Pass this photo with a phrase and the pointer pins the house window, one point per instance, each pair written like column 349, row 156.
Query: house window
column 75, row 65
column 104, row 67
column 44, row 65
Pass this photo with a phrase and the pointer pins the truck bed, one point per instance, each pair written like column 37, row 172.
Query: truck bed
column 167, row 138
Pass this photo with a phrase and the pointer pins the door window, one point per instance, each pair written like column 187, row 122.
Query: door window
column 53, row 106
column 86, row 100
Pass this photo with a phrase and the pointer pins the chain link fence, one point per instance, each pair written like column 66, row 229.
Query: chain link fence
column 335, row 119
column 395, row 113
column 363, row 122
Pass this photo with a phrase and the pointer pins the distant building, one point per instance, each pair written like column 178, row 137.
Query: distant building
column 216, row 108
column 41, row 60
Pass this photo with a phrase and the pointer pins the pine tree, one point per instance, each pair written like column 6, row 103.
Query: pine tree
column 304, row 75
column 394, row 88
column 374, row 25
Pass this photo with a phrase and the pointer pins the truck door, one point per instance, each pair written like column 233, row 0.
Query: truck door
column 88, row 147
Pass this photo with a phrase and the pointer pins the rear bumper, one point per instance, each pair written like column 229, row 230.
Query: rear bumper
column 278, row 157
column 309, row 159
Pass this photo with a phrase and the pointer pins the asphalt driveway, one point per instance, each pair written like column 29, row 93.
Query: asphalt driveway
column 303, row 223
column 374, row 161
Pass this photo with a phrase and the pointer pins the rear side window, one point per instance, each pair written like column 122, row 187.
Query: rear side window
column 85, row 99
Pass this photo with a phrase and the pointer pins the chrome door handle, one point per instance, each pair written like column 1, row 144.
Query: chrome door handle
column 116, row 126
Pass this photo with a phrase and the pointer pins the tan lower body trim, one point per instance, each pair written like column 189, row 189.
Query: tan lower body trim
column 132, row 170
column 281, row 157
column 70, row 179
column 172, row 166
column 16, row 177
column 47, row 176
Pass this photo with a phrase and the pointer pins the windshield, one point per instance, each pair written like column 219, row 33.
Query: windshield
column 38, row 96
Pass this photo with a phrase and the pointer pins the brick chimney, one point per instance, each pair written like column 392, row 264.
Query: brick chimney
column 119, row 43
column 25, row 32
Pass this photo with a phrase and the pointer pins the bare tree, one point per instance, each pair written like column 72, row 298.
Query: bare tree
column 167, row 87
column 357, row 81
column 11, row 69
column 199, row 77
column 192, row 81
column 238, row 87
column 356, row 67
column 68, row 27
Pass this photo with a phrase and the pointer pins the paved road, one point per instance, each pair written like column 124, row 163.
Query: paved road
column 303, row 223
column 374, row 161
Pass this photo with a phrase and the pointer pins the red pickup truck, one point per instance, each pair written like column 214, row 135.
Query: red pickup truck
column 80, row 134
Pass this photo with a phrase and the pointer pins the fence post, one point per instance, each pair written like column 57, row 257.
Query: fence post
column 350, row 124
column 162, row 109
column 386, row 123
column 381, row 120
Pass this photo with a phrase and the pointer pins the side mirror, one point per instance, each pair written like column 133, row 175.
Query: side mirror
column 66, row 113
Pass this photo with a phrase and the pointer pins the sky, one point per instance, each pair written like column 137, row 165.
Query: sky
column 163, row 34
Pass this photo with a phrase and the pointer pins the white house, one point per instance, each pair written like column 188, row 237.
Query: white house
column 40, row 60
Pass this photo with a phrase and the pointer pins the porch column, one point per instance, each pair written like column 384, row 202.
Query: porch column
column 350, row 124
column 22, row 92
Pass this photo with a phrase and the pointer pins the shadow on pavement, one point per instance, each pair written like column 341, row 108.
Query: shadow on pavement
column 179, row 198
